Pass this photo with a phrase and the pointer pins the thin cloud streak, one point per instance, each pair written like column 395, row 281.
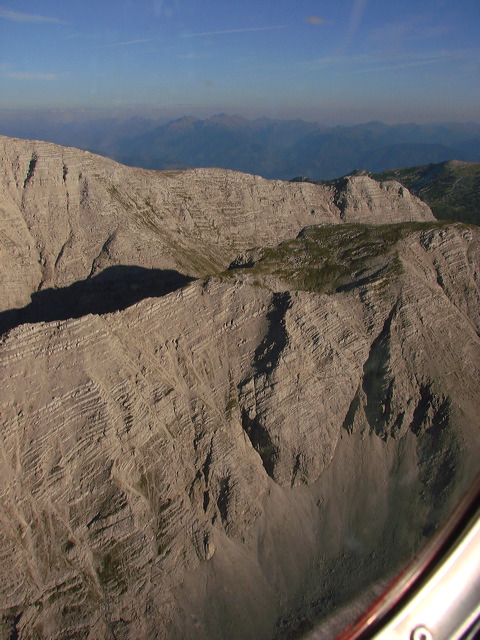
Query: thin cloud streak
column 17, row 16
column 402, row 65
column 227, row 31
column 192, row 56
column 406, row 31
column 127, row 43
column 363, row 63
column 442, row 58
column 25, row 75
column 329, row 62
column 83, row 36
column 356, row 16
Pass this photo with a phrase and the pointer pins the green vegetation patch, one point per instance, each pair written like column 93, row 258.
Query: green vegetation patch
column 120, row 198
column 451, row 189
column 330, row 258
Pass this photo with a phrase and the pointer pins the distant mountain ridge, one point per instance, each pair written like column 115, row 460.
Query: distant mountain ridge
column 451, row 189
column 272, row 148
column 282, row 149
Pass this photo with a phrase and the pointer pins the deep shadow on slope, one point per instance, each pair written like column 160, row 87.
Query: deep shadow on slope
column 114, row 289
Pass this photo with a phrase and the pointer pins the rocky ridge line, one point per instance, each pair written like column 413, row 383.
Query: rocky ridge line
column 68, row 215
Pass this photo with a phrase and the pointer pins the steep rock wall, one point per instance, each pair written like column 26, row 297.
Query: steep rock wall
column 238, row 457
column 67, row 215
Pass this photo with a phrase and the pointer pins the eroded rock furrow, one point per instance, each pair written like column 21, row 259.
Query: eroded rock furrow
column 238, row 455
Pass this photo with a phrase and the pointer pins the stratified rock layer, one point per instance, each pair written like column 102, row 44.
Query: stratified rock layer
column 239, row 457
column 67, row 215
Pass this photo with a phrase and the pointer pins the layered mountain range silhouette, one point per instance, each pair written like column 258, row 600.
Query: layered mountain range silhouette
column 264, row 146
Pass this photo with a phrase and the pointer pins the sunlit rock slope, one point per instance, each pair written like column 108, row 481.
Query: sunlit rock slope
column 241, row 456
column 67, row 215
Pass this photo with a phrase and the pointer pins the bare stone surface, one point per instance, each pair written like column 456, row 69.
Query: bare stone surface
column 67, row 215
column 241, row 456
column 361, row 199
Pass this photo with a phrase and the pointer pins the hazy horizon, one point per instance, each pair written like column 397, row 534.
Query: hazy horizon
column 85, row 114
column 343, row 62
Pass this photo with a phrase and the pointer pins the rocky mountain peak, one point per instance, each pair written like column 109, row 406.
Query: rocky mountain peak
column 70, row 214
column 196, row 451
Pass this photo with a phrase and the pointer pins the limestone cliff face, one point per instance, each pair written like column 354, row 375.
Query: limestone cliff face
column 67, row 215
column 246, row 453
column 361, row 199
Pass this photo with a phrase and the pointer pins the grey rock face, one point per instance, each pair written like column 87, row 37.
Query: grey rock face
column 242, row 456
column 68, row 215
column 361, row 199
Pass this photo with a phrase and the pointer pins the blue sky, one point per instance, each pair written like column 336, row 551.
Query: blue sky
column 331, row 61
